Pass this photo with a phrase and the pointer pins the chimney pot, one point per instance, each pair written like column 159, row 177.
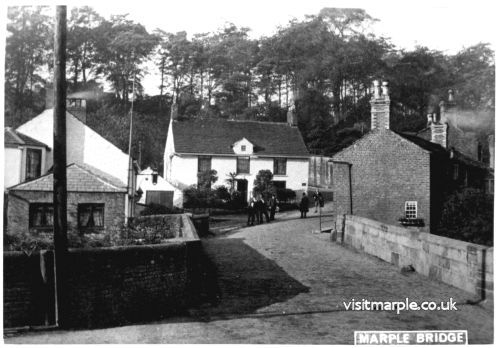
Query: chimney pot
column 429, row 119
column 450, row 96
column 385, row 88
column 376, row 89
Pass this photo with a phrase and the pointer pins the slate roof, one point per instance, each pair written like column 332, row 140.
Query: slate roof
column 13, row 138
column 216, row 137
column 435, row 148
column 80, row 178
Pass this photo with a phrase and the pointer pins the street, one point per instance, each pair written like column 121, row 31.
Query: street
column 281, row 283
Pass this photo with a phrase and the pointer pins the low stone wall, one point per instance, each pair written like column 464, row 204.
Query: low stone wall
column 464, row 265
column 107, row 286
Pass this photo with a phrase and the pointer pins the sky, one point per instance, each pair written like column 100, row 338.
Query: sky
column 443, row 25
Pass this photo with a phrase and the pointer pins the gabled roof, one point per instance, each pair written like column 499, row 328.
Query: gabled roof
column 424, row 144
column 216, row 137
column 13, row 138
column 80, row 178
column 436, row 148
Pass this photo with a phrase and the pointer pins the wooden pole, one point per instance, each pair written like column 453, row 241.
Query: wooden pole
column 59, row 168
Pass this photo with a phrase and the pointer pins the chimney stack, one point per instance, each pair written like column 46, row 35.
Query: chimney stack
column 78, row 108
column 381, row 106
column 439, row 134
column 174, row 112
column 291, row 116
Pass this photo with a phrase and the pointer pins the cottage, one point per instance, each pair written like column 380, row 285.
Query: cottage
column 387, row 175
column 240, row 147
column 96, row 202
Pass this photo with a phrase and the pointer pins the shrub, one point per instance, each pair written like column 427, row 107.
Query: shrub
column 159, row 209
column 468, row 215
column 285, row 195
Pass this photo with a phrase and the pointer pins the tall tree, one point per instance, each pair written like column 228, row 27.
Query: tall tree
column 82, row 44
column 27, row 50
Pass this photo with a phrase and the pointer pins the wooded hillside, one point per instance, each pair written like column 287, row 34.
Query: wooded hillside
column 324, row 64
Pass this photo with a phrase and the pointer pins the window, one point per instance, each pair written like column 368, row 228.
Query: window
column 280, row 166
column 455, row 171
column 243, row 148
column 41, row 215
column 33, row 163
column 204, row 164
column 91, row 216
column 411, row 210
column 243, row 165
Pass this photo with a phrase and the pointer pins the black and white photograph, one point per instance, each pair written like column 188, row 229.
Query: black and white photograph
column 248, row 172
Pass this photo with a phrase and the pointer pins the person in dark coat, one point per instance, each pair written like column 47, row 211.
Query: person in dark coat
column 273, row 203
column 251, row 211
column 261, row 209
column 304, row 206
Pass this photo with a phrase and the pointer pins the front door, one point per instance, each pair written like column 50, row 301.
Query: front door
column 242, row 187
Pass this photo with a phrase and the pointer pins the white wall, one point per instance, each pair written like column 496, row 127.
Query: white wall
column 12, row 166
column 184, row 170
column 168, row 154
column 83, row 145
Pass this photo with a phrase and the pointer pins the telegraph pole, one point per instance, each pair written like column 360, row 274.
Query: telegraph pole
column 59, row 168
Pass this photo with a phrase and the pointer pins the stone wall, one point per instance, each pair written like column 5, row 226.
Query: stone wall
column 106, row 286
column 464, row 265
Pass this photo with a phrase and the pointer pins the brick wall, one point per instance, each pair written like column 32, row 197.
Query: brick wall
column 387, row 171
column 18, row 208
column 464, row 265
column 107, row 286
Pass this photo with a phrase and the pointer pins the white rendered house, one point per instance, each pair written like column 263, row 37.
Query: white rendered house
column 241, row 147
column 83, row 146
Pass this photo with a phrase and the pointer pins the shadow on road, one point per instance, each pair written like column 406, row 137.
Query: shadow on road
column 238, row 280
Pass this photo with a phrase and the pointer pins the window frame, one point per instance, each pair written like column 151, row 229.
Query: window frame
column 46, row 207
column 204, row 158
column 240, row 158
column 409, row 214
column 276, row 165
column 27, row 166
column 92, row 206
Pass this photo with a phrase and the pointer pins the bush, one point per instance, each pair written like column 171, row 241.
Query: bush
column 467, row 215
column 159, row 209
column 285, row 195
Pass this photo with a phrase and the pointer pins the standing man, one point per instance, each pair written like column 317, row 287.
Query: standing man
column 304, row 206
column 273, row 203
column 251, row 211
column 318, row 200
column 263, row 209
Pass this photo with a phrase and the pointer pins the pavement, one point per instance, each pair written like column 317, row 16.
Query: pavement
column 280, row 283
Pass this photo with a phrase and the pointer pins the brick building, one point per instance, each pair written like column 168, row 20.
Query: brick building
column 96, row 202
column 387, row 175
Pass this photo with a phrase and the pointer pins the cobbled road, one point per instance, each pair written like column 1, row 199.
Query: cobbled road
column 279, row 283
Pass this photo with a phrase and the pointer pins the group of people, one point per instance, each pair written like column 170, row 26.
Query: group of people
column 259, row 208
